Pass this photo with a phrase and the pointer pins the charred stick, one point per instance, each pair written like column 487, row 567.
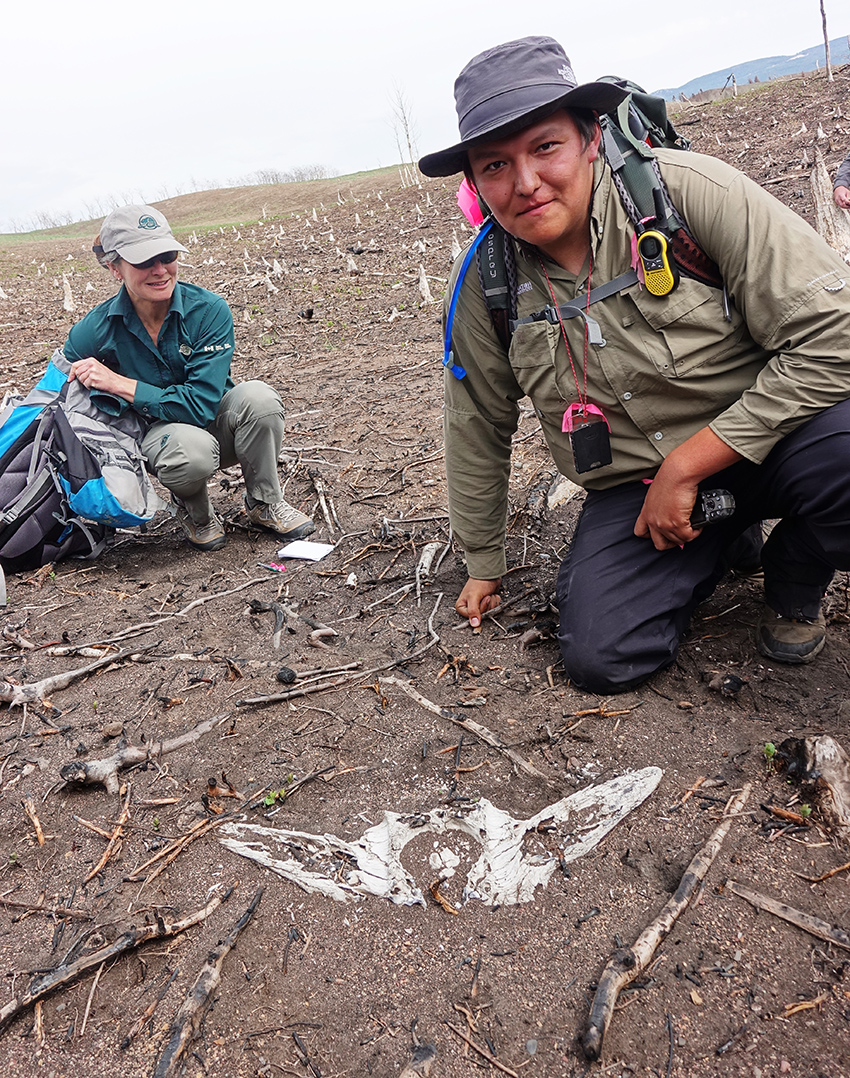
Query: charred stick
column 114, row 838
column 11, row 634
column 94, row 985
column 106, row 770
column 146, row 626
column 85, row 652
column 258, row 607
column 37, row 691
column 187, row 1021
column 826, row 875
column 54, row 911
column 813, row 925
column 147, row 1013
column 424, row 565
column 629, row 962
column 29, row 809
column 304, row 1056
column 491, row 1059
column 92, row 827
column 43, row 984
column 472, row 727
column 320, row 491
column 322, row 686
column 324, row 671
column 202, row 827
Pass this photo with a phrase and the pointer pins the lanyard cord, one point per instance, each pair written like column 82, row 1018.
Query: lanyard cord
column 582, row 399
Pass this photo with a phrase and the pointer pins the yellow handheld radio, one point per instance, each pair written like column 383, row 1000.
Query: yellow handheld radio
column 661, row 274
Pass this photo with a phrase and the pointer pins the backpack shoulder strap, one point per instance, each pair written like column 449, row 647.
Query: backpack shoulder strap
column 630, row 134
column 496, row 260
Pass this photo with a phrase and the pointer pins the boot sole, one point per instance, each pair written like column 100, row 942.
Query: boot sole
column 213, row 544
column 790, row 660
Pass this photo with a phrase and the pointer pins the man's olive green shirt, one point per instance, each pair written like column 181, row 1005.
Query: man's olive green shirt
column 669, row 366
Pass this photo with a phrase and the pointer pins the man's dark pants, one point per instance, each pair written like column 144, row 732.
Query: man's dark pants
column 624, row 605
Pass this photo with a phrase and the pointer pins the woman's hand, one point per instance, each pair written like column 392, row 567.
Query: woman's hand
column 477, row 597
column 95, row 375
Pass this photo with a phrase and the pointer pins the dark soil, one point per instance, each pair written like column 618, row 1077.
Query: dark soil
column 350, row 987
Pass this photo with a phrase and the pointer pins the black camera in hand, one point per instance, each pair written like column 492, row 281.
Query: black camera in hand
column 712, row 506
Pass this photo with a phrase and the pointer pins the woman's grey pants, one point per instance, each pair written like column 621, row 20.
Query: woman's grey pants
column 248, row 430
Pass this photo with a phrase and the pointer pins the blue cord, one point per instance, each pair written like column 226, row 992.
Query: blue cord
column 448, row 355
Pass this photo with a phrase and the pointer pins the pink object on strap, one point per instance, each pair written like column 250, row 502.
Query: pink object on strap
column 467, row 200
column 577, row 410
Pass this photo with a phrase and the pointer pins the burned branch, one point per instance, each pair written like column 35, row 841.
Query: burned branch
column 114, row 838
column 629, row 962
column 43, row 984
column 188, row 1019
column 813, row 925
column 37, row 691
column 88, row 772
column 472, row 727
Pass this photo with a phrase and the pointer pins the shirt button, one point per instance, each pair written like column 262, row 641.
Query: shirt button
column 627, row 396
column 658, row 436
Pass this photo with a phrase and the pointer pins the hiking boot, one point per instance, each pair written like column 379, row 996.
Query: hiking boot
column 282, row 518
column 202, row 527
column 789, row 640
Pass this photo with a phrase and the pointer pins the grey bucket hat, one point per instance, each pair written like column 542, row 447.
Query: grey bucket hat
column 138, row 233
column 509, row 87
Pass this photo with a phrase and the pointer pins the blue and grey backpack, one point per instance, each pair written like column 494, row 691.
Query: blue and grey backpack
column 69, row 473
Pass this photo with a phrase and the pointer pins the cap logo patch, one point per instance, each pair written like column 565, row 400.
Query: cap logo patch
column 566, row 73
column 147, row 222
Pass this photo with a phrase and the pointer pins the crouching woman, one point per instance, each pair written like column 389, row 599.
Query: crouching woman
column 164, row 348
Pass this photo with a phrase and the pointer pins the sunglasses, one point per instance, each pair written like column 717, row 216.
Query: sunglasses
column 166, row 259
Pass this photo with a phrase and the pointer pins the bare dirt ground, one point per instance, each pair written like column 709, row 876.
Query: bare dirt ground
column 314, row 986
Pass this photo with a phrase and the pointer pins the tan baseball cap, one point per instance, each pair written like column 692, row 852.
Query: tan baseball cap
column 138, row 233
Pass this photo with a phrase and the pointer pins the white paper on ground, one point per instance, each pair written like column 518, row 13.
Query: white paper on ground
column 511, row 866
column 303, row 548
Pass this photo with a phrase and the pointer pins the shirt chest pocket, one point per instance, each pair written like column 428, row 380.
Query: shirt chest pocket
column 177, row 352
column 687, row 329
column 538, row 359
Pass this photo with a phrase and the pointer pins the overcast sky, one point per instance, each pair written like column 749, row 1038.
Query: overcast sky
column 101, row 99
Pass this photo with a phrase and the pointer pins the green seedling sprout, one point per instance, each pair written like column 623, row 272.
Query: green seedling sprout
column 273, row 796
column 805, row 811
column 769, row 752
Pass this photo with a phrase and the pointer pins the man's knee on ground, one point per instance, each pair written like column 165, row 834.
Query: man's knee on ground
column 607, row 671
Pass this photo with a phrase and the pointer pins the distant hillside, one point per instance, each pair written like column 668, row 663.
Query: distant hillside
column 229, row 205
column 769, row 67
